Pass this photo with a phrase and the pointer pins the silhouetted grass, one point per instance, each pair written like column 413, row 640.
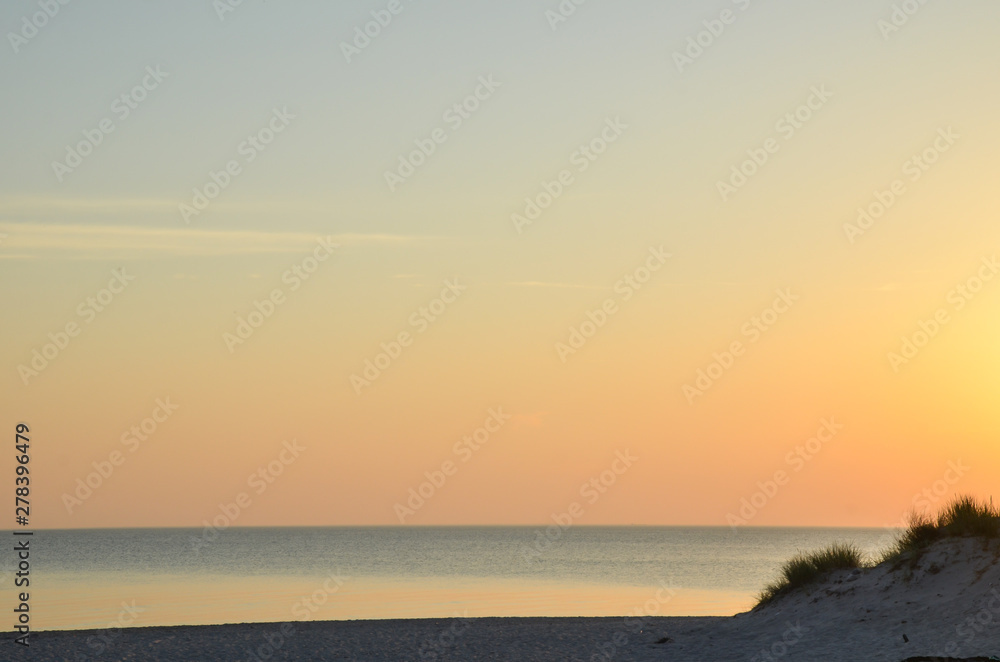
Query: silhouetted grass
column 805, row 569
column 920, row 532
column 967, row 517
column 963, row 517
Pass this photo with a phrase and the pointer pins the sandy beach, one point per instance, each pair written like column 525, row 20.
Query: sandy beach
column 429, row 639
column 945, row 606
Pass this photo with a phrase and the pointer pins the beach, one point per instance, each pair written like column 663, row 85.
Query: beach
column 393, row 640
column 516, row 330
column 700, row 639
column 944, row 605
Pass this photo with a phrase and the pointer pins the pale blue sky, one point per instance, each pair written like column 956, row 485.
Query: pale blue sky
column 655, row 186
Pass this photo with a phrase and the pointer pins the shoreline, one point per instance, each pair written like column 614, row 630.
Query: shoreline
column 803, row 628
column 942, row 604
column 481, row 638
column 938, row 598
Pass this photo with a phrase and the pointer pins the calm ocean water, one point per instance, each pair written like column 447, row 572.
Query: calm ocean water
column 84, row 579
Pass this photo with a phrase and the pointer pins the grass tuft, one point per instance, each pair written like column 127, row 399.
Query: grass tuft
column 963, row 517
column 920, row 532
column 804, row 569
column 967, row 517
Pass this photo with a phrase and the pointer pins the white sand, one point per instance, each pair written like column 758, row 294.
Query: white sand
column 948, row 606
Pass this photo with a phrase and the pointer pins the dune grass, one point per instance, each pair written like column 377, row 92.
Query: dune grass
column 805, row 569
column 963, row 517
column 967, row 517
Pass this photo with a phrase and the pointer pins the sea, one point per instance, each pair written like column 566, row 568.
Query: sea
column 98, row 578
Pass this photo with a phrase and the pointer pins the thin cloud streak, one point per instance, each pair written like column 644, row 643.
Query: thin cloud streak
column 570, row 286
column 131, row 242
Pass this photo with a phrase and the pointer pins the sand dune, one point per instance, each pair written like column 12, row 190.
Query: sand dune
column 946, row 605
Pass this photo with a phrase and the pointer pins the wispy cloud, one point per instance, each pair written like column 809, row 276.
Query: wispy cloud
column 570, row 286
column 42, row 240
column 26, row 204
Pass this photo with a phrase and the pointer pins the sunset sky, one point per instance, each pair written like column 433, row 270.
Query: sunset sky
column 625, row 132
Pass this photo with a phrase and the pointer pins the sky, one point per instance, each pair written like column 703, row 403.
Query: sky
column 416, row 262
